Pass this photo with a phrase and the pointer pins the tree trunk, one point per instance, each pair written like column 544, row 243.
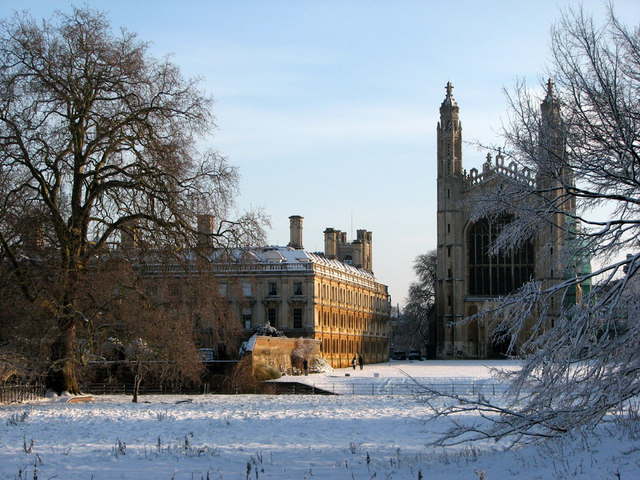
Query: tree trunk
column 61, row 376
column 136, row 388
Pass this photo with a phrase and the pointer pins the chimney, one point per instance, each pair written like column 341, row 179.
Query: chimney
column 129, row 237
column 366, row 238
column 205, row 230
column 330, row 246
column 295, row 232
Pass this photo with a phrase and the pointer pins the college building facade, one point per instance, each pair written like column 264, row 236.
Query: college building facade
column 469, row 277
column 331, row 296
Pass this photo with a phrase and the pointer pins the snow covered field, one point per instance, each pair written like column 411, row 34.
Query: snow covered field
column 285, row 437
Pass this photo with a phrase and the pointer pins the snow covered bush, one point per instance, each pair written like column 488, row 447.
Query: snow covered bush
column 267, row 330
column 319, row 365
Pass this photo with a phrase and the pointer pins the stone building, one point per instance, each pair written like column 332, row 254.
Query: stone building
column 468, row 276
column 333, row 296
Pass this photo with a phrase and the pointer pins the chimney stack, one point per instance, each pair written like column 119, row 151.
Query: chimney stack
column 295, row 232
column 330, row 243
column 205, row 230
column 129, row 237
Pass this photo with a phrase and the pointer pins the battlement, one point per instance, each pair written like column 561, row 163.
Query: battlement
column 490, row 170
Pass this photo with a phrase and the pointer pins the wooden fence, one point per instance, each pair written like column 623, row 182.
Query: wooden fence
column 20, row 393
column 145, row 389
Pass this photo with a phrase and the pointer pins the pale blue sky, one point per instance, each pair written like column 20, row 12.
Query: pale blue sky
column 329, row 108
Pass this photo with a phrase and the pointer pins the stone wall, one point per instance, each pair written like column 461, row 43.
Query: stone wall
column 282, row 352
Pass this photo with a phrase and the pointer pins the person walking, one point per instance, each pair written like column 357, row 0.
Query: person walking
column 305, row 366
column 353, row 362
column 361, row 361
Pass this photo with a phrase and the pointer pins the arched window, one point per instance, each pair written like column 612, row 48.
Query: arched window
column 495, row 275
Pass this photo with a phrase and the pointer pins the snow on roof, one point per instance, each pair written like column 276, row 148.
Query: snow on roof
column 292, row 256
column 275, row 254
column 286, row 257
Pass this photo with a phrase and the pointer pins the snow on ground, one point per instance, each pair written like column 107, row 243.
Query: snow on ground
column 285, row 437
column 442, row 370
column 407, row 377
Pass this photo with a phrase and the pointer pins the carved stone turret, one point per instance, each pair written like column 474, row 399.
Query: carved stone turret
column 357, row 253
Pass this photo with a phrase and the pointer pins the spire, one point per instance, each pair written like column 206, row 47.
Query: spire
column 551, row 136
column 550, row 100
column 550, row 108
column 449, row 137
column 449, row 101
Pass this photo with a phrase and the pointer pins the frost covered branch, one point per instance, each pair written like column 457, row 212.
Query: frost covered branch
column 581, row 358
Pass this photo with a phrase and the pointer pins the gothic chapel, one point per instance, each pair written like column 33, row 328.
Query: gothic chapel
column 468, row 276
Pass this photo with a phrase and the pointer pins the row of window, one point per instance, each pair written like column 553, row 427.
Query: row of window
column 350, row 322
column 272, row 289
column 343, row 295
column 337, row 346
column 329, row 320
column 271, row 315
column 328, row 292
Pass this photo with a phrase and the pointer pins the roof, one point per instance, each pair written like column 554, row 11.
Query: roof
column 290, row 257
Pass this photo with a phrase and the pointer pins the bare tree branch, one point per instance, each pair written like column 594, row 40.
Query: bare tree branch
column 581, row 357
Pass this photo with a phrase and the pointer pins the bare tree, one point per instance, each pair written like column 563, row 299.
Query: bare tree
column 582, row 356
column 96, row 136
column 425, row 267
column 414, row 329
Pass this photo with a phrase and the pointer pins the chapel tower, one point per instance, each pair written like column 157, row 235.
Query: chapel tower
column 450, row 286
column 555, row 179
column 469, row 275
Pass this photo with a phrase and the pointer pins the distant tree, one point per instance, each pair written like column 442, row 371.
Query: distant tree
column 154, row 322
column 422, row 293
column 582, row 358
column 413, row 329
column 96, row 136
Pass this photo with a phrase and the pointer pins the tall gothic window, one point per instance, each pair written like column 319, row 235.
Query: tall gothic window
column 495, row 275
